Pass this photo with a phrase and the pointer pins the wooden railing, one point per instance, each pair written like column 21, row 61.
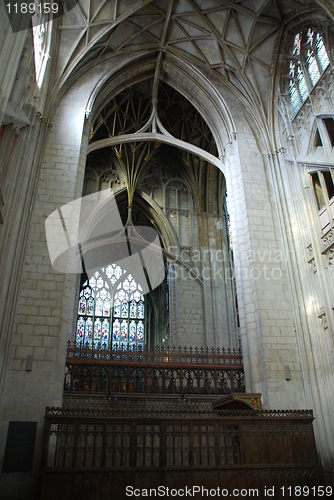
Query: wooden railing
column 157, row 354
column 94, row 454
column 161, row 370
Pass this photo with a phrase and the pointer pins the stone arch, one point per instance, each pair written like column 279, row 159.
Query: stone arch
column 199, row 91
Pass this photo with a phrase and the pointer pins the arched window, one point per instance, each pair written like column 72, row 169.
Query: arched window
column 308, row 60
column 111, row 310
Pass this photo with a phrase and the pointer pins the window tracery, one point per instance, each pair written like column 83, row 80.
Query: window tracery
column 308, row 61
column 111, row 310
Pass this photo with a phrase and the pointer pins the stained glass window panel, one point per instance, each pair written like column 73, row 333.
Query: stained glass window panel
column 126, row 285
column 98, row 307
column 110, row 271
column 310, row 36
column 97, row 330
column 106, row 308
column 312, row 68
column 322, row 52
column 297, row 44
column 116, row 331
column 133, row 309
column 90, row 306
column 292, row 69
column 140, row 332
column 132, row 336
column 117, row 308
column 125, row 309
column 118, row 272
column 80, row 329
column 82, row 306
column 89, row 330
column 302, row 85
column 140, row 310
column 105, row 331
column 124, row 331
column 294, row 97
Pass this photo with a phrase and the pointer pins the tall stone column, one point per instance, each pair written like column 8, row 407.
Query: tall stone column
column 271, row 358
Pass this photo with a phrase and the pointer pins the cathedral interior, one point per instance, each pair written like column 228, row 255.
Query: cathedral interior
column 166, row 248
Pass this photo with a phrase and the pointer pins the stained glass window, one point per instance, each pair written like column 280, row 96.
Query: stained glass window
column 322, row 52
column 297, row 44
column 97, row 330
column 302, row 84
column 308, row 53
column 111, row 310
column 98, row 307
column 294, row 96
column 312, row 67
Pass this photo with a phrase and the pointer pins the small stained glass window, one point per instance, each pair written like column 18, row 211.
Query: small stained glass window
column 308, row 54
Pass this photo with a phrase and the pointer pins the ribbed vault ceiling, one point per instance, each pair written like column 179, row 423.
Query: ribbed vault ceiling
column 232, row 39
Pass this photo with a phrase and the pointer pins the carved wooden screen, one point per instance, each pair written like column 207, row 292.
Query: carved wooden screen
column 118, row 445
column 178, row 442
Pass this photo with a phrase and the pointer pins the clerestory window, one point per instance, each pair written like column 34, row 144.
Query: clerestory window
column 111, row 310
column 41, row 28
column 307, row 62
